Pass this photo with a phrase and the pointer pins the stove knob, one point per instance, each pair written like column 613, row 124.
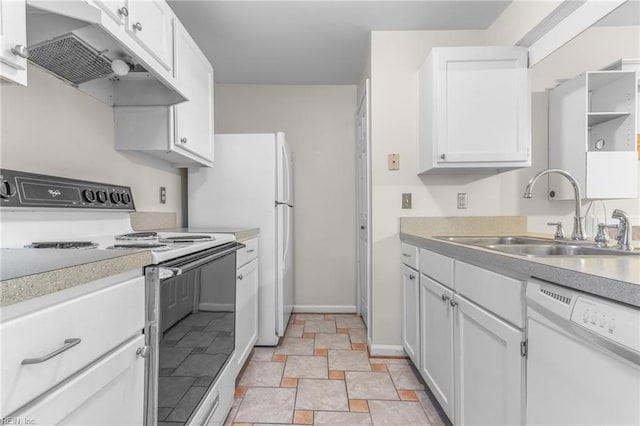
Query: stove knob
column 5, row 189
column 115, row 197
column 88, row 195
column 101, row 196
column 126, row 198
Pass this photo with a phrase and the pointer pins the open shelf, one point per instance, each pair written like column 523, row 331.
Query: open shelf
column 601, row 117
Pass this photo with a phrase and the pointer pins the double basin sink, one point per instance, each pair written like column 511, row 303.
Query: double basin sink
column 538, row 247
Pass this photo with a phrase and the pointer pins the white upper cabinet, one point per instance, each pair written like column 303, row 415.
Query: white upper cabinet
column 150, row 22
column 13, row 39
column 193, row 119
column 474, row 110
column 592, row 135
column 115, row 9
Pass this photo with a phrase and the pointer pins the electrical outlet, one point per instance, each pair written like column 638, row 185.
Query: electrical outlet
column 163, row 195
column 462, row 200
column 406, row 200
column 394, row 161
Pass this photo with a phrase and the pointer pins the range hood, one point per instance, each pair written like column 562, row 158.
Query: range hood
column 82, row 54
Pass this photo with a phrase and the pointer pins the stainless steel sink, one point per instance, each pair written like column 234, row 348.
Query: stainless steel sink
column 538, row 247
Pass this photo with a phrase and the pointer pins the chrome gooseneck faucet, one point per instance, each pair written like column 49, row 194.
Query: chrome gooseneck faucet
column 578, row 228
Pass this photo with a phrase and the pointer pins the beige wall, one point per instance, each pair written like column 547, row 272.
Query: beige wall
column 319, row 125
column 51, row 128
column 395, row 59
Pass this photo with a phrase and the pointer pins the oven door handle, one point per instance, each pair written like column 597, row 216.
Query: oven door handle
column 177, row 268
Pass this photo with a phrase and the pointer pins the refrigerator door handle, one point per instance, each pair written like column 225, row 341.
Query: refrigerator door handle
column 280, row 203
column 285, row 166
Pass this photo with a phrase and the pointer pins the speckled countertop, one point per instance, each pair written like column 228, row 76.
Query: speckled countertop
column 613, row 277
column 241, row 234
column 26, row 273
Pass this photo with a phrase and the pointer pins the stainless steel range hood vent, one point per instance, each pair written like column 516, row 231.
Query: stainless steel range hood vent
column 71, row 59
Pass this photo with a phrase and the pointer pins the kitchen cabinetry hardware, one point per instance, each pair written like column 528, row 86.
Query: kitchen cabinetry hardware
column 453, row 303
column 68, row 344
column 123, row 11
column 250, row 251
column 443, row 156
column 20, row 50
column 137, row 26
column 412, row 277
column 240, row 276
column 143, row 352
column 445, row 298
column 559, row 234
column 523, row 349
column 406, row 255
column 183, row 140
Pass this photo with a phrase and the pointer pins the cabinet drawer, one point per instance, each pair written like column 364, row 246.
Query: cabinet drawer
column 436, row 266
column 501, row 295
column 102, row 320
column 248, row 253
column 409, row 255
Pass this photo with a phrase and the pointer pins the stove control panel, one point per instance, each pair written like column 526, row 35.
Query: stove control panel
column 30, row 190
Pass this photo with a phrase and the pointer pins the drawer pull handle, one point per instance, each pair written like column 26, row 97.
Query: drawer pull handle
column 250, row 251
column 453, row 303
column 406, row 254
column 123, row 11
column 412, row 277
column 240, row 276
column 137, row 26
column 68, row 344
column 444, row 297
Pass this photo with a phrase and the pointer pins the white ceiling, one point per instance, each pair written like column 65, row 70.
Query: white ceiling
column 323, row 41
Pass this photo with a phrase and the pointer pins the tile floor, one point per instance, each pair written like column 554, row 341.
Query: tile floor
column 321, row 374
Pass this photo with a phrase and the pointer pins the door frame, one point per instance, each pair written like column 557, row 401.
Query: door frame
column 364, row 108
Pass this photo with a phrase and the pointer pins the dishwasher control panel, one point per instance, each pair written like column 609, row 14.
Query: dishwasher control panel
column 616, row 322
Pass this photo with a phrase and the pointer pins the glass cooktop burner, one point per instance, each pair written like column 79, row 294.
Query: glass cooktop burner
column 187, row 239
column 63, row 245
column 138, row 236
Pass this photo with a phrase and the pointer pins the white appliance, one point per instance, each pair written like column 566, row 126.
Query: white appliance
column 583, row 364
column 251, row 185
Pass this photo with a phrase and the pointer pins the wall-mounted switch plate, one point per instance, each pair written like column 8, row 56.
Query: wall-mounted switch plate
column 394, row 161
column 406, row 200
column 163, row 195
column 462, row 200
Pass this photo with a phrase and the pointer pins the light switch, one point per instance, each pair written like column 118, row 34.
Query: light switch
column 394, row 161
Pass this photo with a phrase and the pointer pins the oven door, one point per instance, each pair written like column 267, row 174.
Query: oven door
column 192, row 334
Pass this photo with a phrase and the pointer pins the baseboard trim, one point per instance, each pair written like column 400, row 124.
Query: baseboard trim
column 386, row 350
column 325, row 309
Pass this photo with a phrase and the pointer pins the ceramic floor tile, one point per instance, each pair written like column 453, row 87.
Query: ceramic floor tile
column 197, row 365
column 221, row 325
column 267, row 405
column 304, row 417
column 333, row 418
column 294, row 330
column 176, row 332
column 332, row 341
column 309, row 317
column 262, row 354
column 319, row 326
column 403, row 377
column 198, row 319
column 196, row 339
column 186, row 405
column 349, row 322
column 368, row 385
column 172, row 389
column 388, row 361
column 163, row 413
column 262, row 373
column 306, row 367
column 397, row 413
column 172, row 357
column 348, row 360
column 221, row 345
column 358, row 335
column 429, row 408
column 328, row 395
column 233, row 411
column 291, row 346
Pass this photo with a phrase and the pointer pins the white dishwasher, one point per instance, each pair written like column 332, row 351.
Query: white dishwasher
column 583, row 365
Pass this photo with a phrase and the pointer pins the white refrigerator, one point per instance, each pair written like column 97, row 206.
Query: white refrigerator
column 251, row 185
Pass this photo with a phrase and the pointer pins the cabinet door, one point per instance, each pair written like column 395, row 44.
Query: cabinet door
column 116, row 9
column 194, row 118
column 489, row 368
column 410, row 314
column 13, row 35
column 436, row 341
column 247, row 310
column 150, row 22
column 110, row 391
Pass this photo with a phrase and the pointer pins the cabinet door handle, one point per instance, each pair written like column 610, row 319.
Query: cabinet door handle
column 240, row 276
column 183, row 140
column 68, row 344
column 443, row 156
column 453, row 303
column 137, row 26
column 412, row 277
column 20, row 50
column 444, row 297
column 250, row 251
column 406, row 254
column 123, row 11
column 143, row 352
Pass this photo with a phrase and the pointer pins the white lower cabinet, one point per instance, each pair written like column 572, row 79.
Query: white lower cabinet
column 111, row 391
column 489, row 368
column 247, row 282
column 436, row 339
column 411, row 313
